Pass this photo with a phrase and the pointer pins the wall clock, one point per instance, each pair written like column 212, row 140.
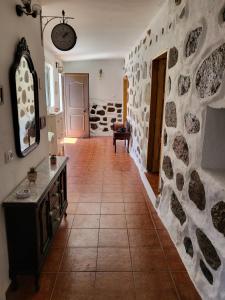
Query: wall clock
column 64, row 37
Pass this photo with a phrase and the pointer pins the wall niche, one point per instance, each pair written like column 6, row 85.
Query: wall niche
column 213, row 157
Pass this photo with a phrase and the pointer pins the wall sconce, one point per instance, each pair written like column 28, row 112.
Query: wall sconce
column 28, row 9
column 100, row 73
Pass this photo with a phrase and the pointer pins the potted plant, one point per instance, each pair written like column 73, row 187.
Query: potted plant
column 32, row 175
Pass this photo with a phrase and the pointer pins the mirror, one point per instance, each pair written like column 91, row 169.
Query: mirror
column 25, row 104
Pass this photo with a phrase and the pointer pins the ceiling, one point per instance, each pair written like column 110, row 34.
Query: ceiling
column 105, row 28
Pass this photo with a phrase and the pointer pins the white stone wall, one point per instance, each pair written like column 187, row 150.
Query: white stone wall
column 191, row 203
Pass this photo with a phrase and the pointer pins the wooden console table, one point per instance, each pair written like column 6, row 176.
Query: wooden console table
column 31, row 223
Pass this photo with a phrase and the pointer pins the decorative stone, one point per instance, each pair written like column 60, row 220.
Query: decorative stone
column 94, row 119
column 196, row 191
column 177, row 209
column 119, row 111
column 182, row 14
column 103, row 124
column 105, row 129
column 147, row 94
column 177, row 2
column 167, row 167
column 188, row 246
column 169, row 85
column 92, row 111
column 145, row 70
column 173, row 57
column 110, row 104
column 104, row 107
column 105, row 119
column 94, row 106
column 218, row 216
column 113, row 120
column 193, row 41
column 147, row 117
column 184, row 83
column 165, row 137
column 94, row 126
column 192, row 124
column 208, row 275
column 118, row 105
column 111, row 109
column 171, row 114
column 208, row 250
column 210, row 74
column 179, row 181
column 181, row 150
column 101, row 112
column 223, row 15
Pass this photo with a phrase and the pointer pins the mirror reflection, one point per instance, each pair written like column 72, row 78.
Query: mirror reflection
column 26, row 105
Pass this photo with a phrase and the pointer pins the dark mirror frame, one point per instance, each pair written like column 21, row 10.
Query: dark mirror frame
column 23, row 51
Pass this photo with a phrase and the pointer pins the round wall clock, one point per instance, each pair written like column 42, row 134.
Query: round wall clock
column 64, row 37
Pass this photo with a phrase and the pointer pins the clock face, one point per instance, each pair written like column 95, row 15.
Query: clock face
column 64, row 37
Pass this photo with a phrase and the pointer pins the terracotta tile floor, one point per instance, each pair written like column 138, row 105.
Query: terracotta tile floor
column 110, row 246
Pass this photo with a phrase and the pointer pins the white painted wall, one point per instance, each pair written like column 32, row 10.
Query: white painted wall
column 12, row 30
column 107, row 89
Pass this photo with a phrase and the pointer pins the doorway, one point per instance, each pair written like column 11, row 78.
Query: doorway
column 156, row 120
column 77, row 105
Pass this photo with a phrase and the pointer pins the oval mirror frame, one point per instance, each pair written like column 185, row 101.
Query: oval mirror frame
column 27, row 119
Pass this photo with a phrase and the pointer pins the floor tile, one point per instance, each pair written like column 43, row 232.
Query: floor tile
column 110, row 188
column 74, row 285
column 53, row 260
column 135, row 208
column 139, row 222
column 83, row 238
column 113, row 221
column 133, row 197
column 79, row 259
column 147, row 259
column 61, row 238
column 113, row 238
column 67, row 222
column 88, row 208
column 185, row 287
column 86, row 221
column 90, row 197
column 113, row 259
column 112, row 208
column 143, row 238
column 112, row 197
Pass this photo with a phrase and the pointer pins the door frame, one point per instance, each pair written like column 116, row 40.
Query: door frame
column 153, row 112
column 125, row 98
column 65, row 99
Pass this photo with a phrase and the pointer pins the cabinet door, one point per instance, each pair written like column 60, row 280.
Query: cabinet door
column 63, row 190
column 45, row 232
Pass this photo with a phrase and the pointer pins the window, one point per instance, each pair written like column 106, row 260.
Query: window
column 49, row 86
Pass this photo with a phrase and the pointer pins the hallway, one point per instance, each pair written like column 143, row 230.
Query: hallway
column 109, row 246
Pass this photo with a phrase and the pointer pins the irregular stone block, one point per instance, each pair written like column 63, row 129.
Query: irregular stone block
column 104, row 107
column 180, row 181
column 113, row 120
column 94, row 126
column 192, row 124
column 94, row 106
column 196, row 191
column 165, row 137
column 177, row 209
column 169, row 85
column 110, row 104
column 101, row 112
column 167, row 167
column 111, row 109
column 145, row 70
column 193, row 41
column 173, row 57
column 103, row 124
column 180, row 148
column 177, row 2
column 119, row 111
column 105, row 119
column 147, row 94
column 105, row 129
column 208, row 250
column 171, row 114
column 188, row 246
column 218, row 216
column 184, row 83
column 92, row 111
column 118, row 105
column 210, row 74
column 208, row 275
column 94, row 119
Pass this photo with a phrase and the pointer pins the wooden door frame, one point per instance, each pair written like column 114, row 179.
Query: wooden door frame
column 153, row 110
column 65, row 111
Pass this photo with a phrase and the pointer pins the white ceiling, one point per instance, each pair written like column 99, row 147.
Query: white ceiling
column 105, row 28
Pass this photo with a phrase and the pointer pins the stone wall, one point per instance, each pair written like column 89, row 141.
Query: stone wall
column 192, row 200
column 102, row 116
